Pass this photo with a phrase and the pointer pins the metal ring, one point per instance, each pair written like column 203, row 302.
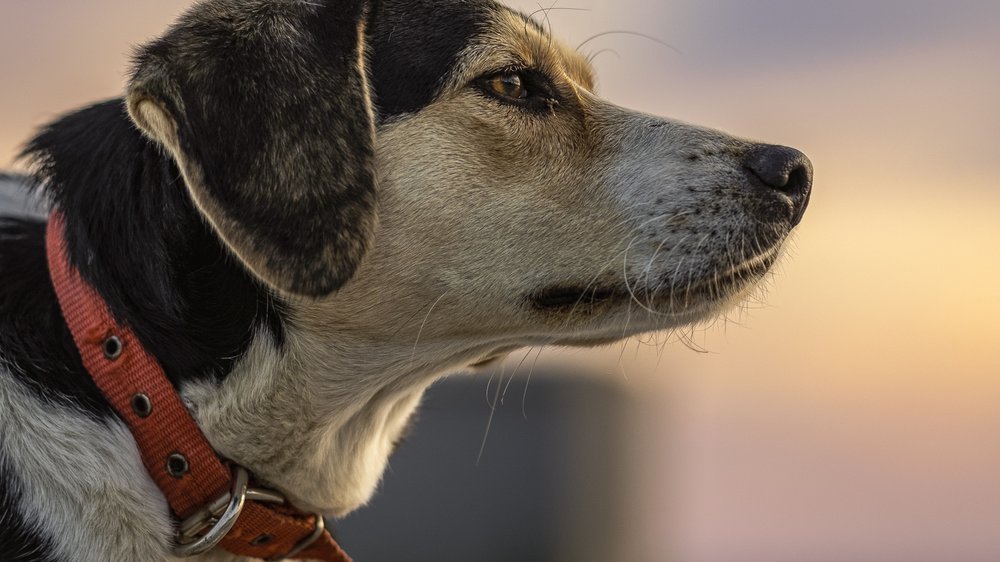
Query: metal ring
column 142, row 405
column 112, row 348
column 225, row 522
column 306, row 542
column 178, row 465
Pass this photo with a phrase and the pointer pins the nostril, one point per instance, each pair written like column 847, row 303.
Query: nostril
column 798, row 180
column 780, row 167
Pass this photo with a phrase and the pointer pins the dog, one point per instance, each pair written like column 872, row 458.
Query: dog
column 309, row 211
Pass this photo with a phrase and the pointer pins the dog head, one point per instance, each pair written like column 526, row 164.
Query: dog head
column 403, row 157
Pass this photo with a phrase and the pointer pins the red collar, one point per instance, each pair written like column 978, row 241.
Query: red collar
column 212, row 501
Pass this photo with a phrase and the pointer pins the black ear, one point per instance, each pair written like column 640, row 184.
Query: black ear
column 264, row 104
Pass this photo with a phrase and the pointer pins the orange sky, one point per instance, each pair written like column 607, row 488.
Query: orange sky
column 856, row 415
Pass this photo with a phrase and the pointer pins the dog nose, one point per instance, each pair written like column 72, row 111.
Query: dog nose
column 784, row 169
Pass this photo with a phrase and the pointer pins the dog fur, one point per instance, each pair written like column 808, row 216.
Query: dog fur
column 311, row 211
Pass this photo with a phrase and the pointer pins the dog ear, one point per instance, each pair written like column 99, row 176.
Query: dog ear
column 264, row 105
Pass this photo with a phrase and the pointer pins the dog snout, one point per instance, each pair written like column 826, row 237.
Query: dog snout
column 784, row 169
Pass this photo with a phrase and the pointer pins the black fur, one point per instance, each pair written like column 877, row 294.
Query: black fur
column 35, row 344
column 18, row 542
column 415, row 44
column 276, row 121
column 136, row 235
column 137, row 238
column 271, row 110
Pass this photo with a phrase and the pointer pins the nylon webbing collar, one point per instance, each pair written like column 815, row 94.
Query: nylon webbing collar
column 202, row 492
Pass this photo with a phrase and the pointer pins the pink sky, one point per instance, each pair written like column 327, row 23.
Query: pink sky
column 855, row 416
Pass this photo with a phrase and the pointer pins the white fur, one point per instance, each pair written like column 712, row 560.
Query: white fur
column 468, row 232
column 75, row 475
column 318, row 422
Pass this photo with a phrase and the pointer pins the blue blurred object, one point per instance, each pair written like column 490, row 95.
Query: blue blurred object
column 15, row 200
column 548, row 487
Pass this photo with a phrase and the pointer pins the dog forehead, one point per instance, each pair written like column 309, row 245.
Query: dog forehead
column 416, row 45
column 413, row 46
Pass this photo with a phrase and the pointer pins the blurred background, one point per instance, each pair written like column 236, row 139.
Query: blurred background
column 854, row 415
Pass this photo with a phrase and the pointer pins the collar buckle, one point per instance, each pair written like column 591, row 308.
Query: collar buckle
column 204, row 530
column 305, row 543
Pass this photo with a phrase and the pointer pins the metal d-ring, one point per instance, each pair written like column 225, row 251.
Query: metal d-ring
column 219, row 523
column 306, row 542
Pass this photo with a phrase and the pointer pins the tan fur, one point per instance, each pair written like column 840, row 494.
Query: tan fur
column 480, row 205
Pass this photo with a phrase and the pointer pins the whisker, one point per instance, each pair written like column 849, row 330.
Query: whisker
column 527, row 381
column 489, row 422
column 633, row 34
column 424, row 323
column 628, row 287
column 405, row 323
column 593, row 57
column 569, row 317
column 663, row 349
column 514, row 372
column 621, row 365
column 548, row 23
column 555, row 9
column 649, row 269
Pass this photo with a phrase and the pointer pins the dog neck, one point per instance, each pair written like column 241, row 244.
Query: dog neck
column 317, row 419
column 311, row 396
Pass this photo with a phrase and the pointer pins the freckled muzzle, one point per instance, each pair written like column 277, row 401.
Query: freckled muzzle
column 782, row 169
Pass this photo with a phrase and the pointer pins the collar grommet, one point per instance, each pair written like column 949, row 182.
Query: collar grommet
column 142, row 405
column 112, row 348
column 177, row 465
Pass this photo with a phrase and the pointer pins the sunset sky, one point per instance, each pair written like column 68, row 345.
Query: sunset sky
column 856, row 414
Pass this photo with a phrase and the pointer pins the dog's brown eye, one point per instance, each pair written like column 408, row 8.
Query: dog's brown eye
column 508, row 85
column 525, row 88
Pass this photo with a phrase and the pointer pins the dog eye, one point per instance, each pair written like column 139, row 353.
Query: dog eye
column 525, row 88
column 508, row 85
